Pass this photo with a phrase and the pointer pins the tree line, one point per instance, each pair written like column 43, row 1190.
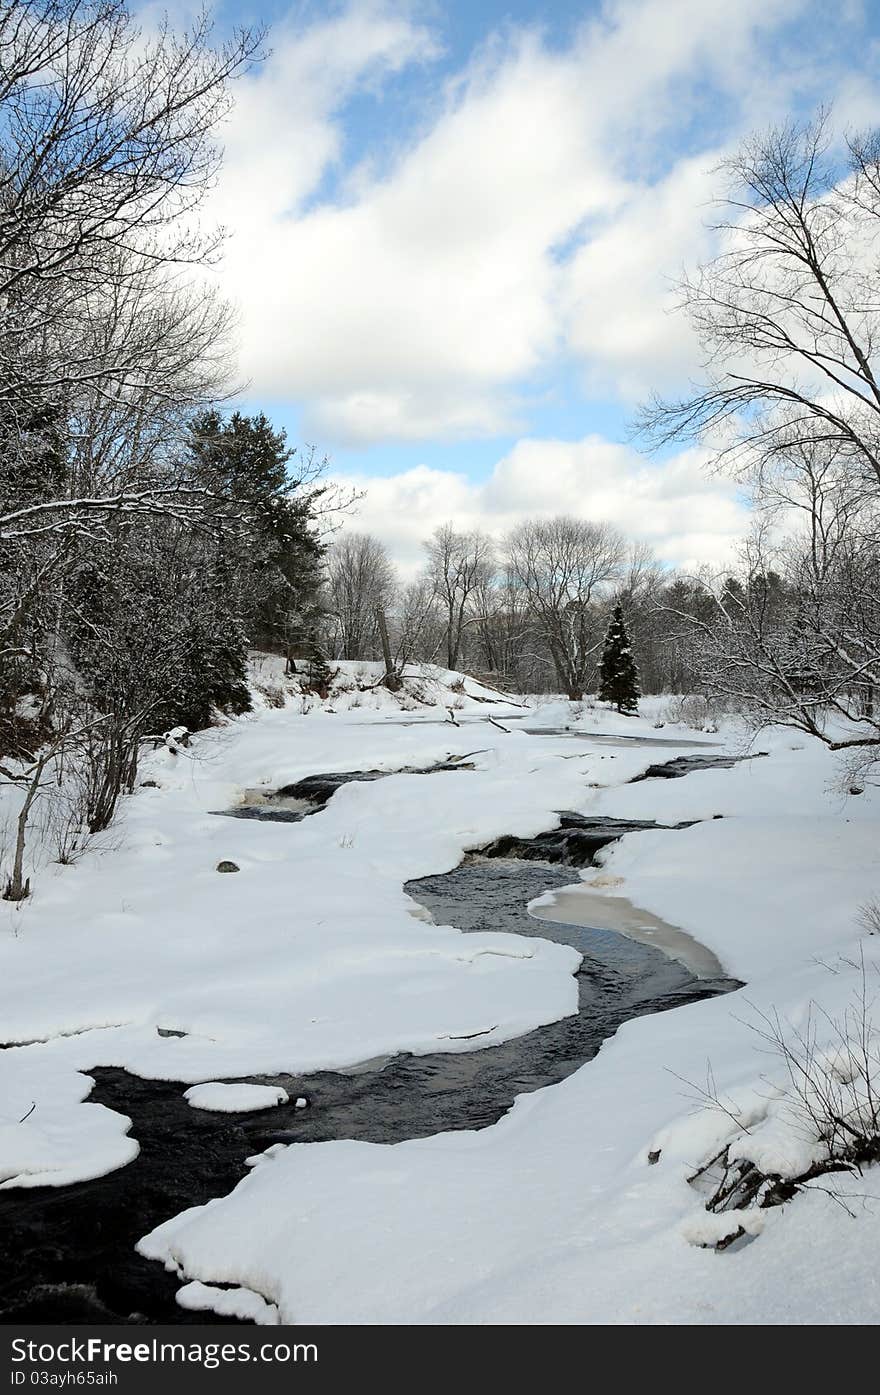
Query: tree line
column 530, row 613
column 146, row 535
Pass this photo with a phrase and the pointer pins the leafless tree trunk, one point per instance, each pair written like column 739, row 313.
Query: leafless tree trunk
column 392, row 677
column 17, row 886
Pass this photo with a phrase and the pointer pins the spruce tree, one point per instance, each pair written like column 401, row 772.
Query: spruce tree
column 279, row 553
column 618, row 675
column 320, row 674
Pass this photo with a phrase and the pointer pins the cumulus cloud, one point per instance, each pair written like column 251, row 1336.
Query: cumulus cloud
column 402, row 312
column 533, row 214
column 621, row 299
column 688, row 517
column 284, row 130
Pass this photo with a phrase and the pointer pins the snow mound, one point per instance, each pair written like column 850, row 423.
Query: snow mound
column 234, row 1099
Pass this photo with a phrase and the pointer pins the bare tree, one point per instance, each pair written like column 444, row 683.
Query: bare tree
column 72, row 732
column 562, row 565
column 794, row 645
column 30, row 781
column 107, row 149
column 458, row 564
column 360, row 579
column 418, row 624
column 788, row 312
column 789, row 316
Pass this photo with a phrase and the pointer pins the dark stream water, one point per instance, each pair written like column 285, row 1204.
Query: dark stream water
column 68, row 1253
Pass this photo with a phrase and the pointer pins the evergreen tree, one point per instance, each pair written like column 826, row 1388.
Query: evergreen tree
column 279, row 554
column 320, row 675
column 152, row 628
column 618, row 675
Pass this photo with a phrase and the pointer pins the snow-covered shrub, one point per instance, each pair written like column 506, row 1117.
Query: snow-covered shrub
column 869, row 917
column 822, row 1117
column 62, row 825
column 691, row 710
column 273, row 694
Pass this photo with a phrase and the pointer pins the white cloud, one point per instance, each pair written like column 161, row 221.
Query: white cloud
column 621, row 299
column 403, row 312
column 689, row 518
column 283, row 132
column 419, row 303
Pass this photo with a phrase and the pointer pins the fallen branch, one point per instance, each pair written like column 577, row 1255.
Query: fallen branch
column 448, row 1036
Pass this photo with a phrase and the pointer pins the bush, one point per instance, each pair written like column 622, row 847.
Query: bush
column 692, row 710
column 825, row 1119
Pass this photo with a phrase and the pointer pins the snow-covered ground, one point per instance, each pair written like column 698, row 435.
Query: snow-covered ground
column 312, row 957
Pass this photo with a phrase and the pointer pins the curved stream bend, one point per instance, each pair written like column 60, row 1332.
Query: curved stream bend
column 70, row 1253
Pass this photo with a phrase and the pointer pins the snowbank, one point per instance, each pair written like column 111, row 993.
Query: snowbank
column 425, row 689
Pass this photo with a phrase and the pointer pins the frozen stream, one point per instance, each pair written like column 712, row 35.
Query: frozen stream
column 70, row 1251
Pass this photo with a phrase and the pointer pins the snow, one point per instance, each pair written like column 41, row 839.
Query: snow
column 312, row 958
column 357, row 685
column 48, row 1137
column 235, row 1303
column 234, row 1099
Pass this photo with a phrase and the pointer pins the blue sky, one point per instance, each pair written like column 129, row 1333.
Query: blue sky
column 454, row 230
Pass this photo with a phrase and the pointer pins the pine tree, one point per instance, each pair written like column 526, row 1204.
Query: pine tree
column 279, row 553
column 618, row 675
column 320, row 674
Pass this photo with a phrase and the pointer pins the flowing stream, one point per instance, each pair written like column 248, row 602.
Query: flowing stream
column 69, row 1252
